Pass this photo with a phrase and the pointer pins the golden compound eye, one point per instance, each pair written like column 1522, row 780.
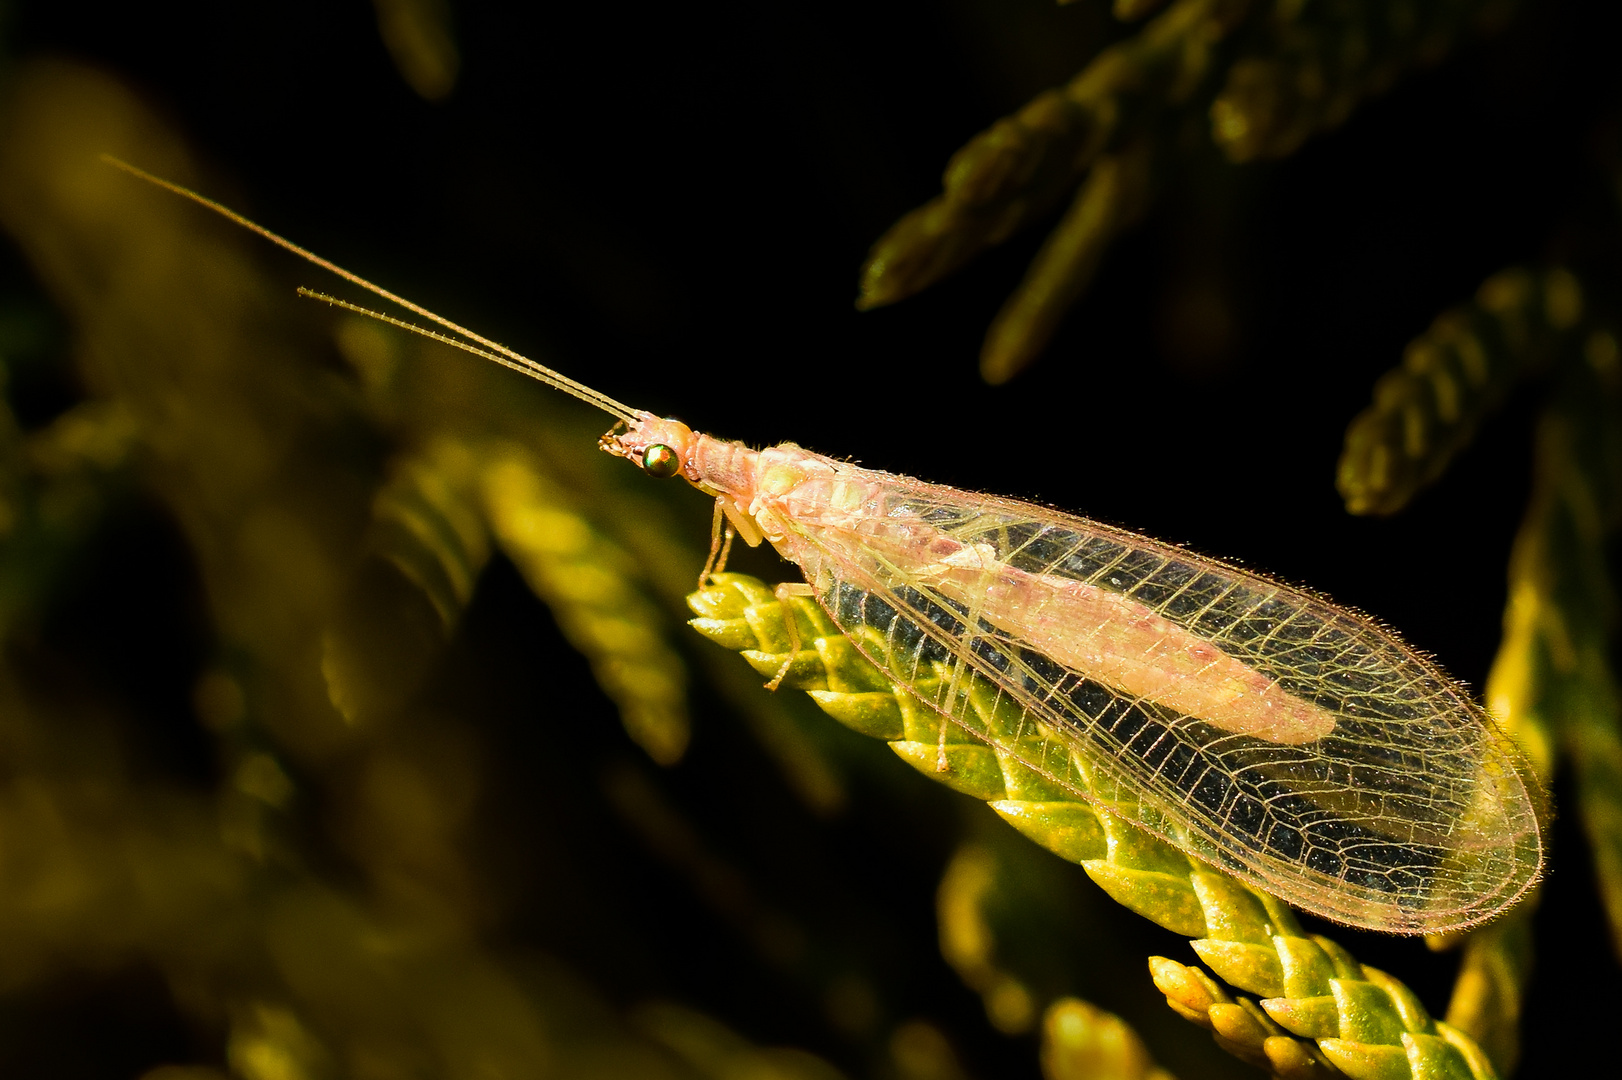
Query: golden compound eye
column 660, row 460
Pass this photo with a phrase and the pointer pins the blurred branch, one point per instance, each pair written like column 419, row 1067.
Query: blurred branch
column 319, row 910
column 1083, row 1042
column 1552, row 683
column 418, row 36
column 1451, row 379
column 1268, row 76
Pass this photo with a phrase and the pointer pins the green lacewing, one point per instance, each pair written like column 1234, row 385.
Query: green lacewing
column 1289, row 741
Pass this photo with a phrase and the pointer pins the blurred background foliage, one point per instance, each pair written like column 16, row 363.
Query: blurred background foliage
column 348, row 725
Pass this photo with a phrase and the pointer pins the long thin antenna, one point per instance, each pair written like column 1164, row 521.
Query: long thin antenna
column 492, row 350
column 422, row 331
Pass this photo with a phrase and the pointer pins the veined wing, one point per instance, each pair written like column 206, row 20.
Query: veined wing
column 1384, row 798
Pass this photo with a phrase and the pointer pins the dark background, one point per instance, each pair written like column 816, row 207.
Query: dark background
column 673, row 201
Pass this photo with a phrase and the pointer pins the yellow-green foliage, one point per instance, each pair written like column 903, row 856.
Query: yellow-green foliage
column 1357, row 1019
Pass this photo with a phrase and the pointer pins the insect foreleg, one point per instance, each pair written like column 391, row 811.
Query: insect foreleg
column 720, row 546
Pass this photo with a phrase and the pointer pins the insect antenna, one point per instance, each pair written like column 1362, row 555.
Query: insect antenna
column 509, row 359
column 481, row 346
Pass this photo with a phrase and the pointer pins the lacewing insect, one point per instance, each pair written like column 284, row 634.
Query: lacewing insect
column 1292, row 742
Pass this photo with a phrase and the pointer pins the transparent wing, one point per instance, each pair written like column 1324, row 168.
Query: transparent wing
column 1412, row 814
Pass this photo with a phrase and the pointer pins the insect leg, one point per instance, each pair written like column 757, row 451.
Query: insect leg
column 710, row 566
column 727, row 536
column 784, row 591
column 721, row 537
